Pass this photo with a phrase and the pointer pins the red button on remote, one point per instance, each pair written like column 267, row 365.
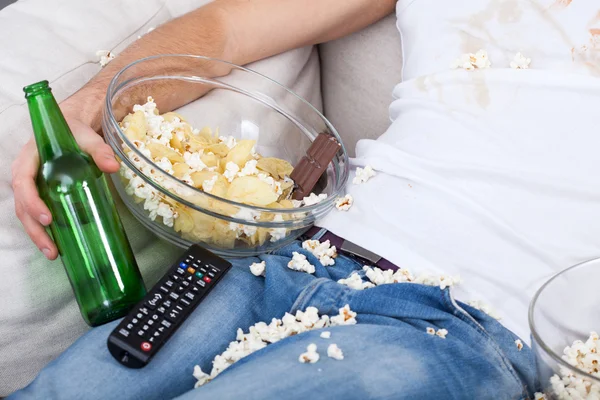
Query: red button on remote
column 206, row 279
column 146, row 346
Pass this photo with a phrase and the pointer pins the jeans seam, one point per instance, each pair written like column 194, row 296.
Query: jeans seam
column 306, row 294
column 465, row 316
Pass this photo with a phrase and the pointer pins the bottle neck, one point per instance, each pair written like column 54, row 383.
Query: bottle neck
column 52, row 134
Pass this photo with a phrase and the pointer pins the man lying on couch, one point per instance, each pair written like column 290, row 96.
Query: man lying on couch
column 488, row 171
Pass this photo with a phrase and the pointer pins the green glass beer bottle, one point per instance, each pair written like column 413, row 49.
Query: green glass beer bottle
column 85, row 225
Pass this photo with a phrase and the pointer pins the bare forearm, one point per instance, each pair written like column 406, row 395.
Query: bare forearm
column 238, row 31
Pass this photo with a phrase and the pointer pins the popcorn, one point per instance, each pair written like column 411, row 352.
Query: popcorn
column 262, row 334
column 313, row 199
column 229, row 141
column 277, row 233
column 539, row 396
column 250, row 169
column 430, row 331
column 443, row 281
column 244, row 229
column 333, row 351
column 363, row 175
column 258, row 269
column 231, row 170
column 104, row 57
column 297, row 203
column 167, row 213
column 311, row 355
column 354, row 281
column 209, row 184
column 323, row 251
column 345, row 317
column 480, row 305
column 344, row 203
column 519, row 344
column 520, row 62
column 325, row 335
column 470, row 61
column 441, row 333
column 165, row 165
column 195, row 162
column 270, row 181
column 300, row 263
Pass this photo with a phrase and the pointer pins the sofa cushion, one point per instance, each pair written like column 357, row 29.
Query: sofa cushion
column 57, row 40
column 358, row 73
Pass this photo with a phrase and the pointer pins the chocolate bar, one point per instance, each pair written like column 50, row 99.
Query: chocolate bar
column 314, row 164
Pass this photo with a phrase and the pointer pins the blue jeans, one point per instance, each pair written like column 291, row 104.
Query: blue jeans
column 387, row 355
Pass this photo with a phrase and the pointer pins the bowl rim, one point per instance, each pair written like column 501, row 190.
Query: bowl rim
column 532, row 327
column 322, row 205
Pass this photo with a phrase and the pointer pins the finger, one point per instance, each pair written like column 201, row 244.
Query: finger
column 24, row 170
column 94, row 145
column 38, row 235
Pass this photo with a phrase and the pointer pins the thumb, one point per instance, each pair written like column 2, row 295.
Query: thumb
column 93, row 144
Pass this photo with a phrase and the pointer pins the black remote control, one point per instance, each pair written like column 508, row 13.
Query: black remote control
column 153, row 320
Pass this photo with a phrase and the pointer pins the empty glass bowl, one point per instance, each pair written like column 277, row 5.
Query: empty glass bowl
column 237, row 102
column 566, row 309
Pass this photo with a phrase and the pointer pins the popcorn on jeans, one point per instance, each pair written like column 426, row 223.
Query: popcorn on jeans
column 481, row 306
column 519, row 344
column 333, row 351
column 323, row 251
column 441, row 333
column 430, row 331
column 325, row 335
column 354, row 281
column 363, row 175
column 310, row 356
column 262, row 334
column 258, row 269
column 300, row 263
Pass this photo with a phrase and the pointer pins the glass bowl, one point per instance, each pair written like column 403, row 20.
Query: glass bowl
column 564, row 310
column 234, row 101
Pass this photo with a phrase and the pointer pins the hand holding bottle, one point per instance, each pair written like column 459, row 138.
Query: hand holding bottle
column 29, row 207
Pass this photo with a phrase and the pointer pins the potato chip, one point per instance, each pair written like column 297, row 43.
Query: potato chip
column 275, row 167
column 177, row 144
column 220, row 149
column 240, row 153
column 136, row 126
column 184, row 222
column 170, row 117
column 251, row 190
column 210, row 160
column 180, row 170
column 159, row 151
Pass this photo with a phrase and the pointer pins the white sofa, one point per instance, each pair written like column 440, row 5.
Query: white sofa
column 351, row 79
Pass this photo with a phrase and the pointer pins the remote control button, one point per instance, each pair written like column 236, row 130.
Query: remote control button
column 203, row 270
column 156, row 334
column 166, row 323
column 185, row 284
column 144, row 310
column 161, row 309
column 190, row 296
column 141, row 333
column 150, row 322
column 179, row 308
column 169, row 283
column 195, row 289
column 180, row 271
column 199, row 275
column 211, row 274
column 174, row 296
column 151, row 340
column 145, row 346
column 124, row 332
column 175, row 277
column 206, row 279
column 161, row 329
column 134, row 321
column 173, row 315
column 180, row 289
column 139, row 316
column 215, row 270
column 155, row 317
column 191, row 270
column 129, row 326
column 190, row 256
column 146, row 327
column 183, row 265
column 151, row 304
column 164, row 290
column 185, row 302
column 201, row 283
column 167, row 303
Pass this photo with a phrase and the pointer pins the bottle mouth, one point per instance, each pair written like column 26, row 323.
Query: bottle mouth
column 35, row 88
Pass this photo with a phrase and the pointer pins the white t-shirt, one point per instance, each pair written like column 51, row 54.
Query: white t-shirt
column 493, row 174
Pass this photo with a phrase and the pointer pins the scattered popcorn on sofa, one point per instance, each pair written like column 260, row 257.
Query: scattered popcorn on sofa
column 300, row 263
column 363, row 175
column 313, row 199
column 333, row 351
column 519, row 344
column 354, row 281
column 520, row 62
column 258, row 269
column 481, row 306
column 430, row 331
column 262, row 334
column 470, row 61
column 325, row 334
column 310, row 356
column 344, row 203
column 441, row 333
column 323, row 251
column 104, row 57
